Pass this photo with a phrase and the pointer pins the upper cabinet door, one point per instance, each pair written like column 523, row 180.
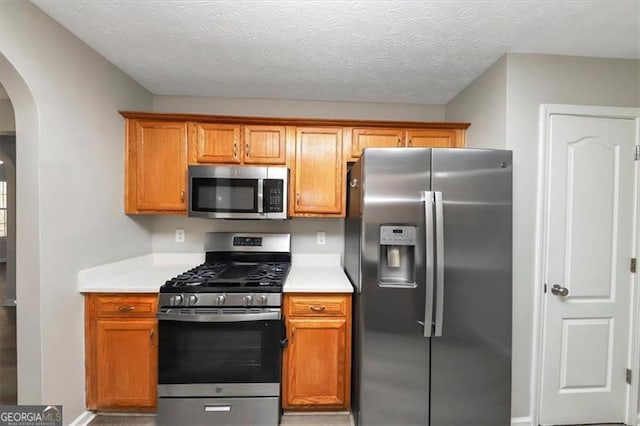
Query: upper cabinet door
column 319, row 172
column 156, row 167
column 264, row 145
column 433, row 138
column 375, row 137
column 215, row 143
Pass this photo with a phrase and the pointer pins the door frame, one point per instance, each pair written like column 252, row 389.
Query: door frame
column 633, row 353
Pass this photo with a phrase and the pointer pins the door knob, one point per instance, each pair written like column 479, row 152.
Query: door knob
column 558, row 290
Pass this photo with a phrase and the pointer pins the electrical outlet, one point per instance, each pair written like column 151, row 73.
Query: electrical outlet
column 321, row 237
column 179, row 235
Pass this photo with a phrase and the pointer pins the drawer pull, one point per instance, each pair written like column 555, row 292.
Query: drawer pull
column 317, row 308
column 217, row 408
column 126, row 308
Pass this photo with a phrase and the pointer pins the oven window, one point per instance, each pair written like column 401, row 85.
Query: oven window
column 225, row 195
column 233, row 352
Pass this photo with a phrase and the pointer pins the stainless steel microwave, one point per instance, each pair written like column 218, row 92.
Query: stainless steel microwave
column 238, row 192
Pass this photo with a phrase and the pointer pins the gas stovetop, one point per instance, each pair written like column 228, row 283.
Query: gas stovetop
column 243, row 270
column 231, row 277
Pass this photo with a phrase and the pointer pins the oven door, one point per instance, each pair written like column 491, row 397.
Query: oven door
column 209, row 352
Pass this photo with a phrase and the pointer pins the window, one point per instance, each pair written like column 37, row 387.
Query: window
column 3, row 208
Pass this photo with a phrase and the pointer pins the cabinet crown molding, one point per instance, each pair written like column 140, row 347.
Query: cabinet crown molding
column 230, row 119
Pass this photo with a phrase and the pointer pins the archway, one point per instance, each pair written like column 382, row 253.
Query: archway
column 28, row 313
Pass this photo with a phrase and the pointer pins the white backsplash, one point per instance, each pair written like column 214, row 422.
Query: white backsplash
column 303, row 233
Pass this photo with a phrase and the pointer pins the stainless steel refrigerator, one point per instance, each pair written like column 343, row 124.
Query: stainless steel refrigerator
column 428, row 250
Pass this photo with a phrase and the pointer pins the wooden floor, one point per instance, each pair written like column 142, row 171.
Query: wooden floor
column 8, row 376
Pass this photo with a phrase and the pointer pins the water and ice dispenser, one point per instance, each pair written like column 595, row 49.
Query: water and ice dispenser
column 397, row 265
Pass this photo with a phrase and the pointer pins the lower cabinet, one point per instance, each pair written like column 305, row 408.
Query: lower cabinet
column 317, row 360
column 121, row 352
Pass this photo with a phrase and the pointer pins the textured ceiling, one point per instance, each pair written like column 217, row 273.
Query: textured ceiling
column 372, row 51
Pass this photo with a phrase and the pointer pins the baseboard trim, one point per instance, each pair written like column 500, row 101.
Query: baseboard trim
column 83, row 419
column 523, row 421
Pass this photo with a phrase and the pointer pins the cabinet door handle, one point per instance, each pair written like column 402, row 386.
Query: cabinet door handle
column 317, row 308
column 297, row 199
column 246, row 149
column 126, row 308
column 293, row 334
column 182, row 196
column 151, row 333
column 235, row 150
column 410, row 142
column 399, row 142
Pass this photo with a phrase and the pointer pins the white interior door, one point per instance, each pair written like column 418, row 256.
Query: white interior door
column 589, row 241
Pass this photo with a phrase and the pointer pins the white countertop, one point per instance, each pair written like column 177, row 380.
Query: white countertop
column 142, row 274
column 309, row 273
column 316, row 273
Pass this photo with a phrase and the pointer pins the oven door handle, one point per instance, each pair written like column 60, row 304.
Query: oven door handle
column 235, row 317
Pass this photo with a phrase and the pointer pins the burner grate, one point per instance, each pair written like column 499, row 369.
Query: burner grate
column 231, row 276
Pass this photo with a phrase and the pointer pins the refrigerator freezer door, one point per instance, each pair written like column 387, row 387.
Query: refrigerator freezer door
column 471, row 359
column 392, row 374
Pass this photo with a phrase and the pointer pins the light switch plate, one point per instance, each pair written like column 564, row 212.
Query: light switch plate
column 179, row 235
column 321, row 237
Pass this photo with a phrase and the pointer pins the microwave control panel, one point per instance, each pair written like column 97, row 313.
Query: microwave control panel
column 273, row 196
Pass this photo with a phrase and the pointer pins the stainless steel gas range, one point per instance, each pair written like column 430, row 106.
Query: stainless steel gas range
column 221, row 334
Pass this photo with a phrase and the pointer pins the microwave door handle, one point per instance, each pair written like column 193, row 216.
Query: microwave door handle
column 261, row 196
column 427, row 199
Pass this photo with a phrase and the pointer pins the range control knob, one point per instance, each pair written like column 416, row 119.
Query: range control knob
column 220, row 299
column 192, row 299
column 175, row 300
column 248, row 300
column 262, row 299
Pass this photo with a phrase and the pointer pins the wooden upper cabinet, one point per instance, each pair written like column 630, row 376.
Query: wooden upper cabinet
column 366, row 137
column 214, row 143
column 380, row 138
column 432, row 138
column 156, row 167
column 316, row 151
column 319, row 175
column 264, row 145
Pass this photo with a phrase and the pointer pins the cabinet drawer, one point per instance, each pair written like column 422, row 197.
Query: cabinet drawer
column 320, row 306
column 125, row 306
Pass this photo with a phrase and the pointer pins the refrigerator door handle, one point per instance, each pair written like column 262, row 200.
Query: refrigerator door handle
column 439, row 264
column 427, row 198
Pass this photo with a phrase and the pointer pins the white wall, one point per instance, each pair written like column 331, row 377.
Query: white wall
column 483, row 103
column 530, row 80
column 303, row 233
column 298, row 109
column 70, row 165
